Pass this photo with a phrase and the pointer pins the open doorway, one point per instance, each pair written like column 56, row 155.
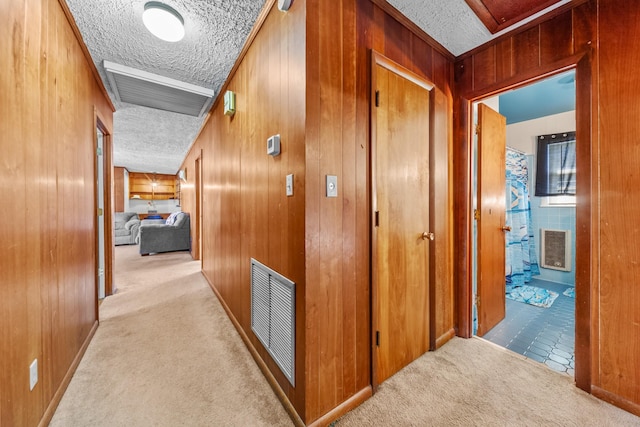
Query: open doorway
column 536, row 288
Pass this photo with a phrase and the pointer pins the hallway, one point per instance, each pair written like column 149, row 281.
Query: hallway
column 166, row 354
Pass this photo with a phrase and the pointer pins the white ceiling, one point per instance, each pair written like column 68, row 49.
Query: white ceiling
column 150, row 140
column 146, row 139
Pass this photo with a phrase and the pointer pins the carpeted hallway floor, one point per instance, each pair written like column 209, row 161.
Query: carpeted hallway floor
column 166, row 354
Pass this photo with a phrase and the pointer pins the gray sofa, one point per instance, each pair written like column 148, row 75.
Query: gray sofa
column 171, row 235
column 126, row 227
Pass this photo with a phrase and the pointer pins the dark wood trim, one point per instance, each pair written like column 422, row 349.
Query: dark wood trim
column 196, row 222
column 379, row 59
column 412, row 27
column 525, row 78
column 107, row 160
column 85, row 51
column 464, row 219
column 487, row 18
column 282, row 396
column 584, row 225
column 57, row 397
column 433, row 110
column 375, row 57
column 533, row 23
column 445, row 338
column 616, row 400
column 352, row 402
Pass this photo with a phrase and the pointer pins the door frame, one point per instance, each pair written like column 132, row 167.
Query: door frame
column 107, row 159
column 585, row 326
column 378, row 59
column 198, row 208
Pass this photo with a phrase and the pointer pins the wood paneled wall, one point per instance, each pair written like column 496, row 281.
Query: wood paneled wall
column 378, row 30
column 607, row 92
column 119, row 193
column 48, row 304
column 306, row 76
column 616, row 295
column 246, row 213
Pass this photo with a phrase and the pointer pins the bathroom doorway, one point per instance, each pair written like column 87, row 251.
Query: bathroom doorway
column 536, row 230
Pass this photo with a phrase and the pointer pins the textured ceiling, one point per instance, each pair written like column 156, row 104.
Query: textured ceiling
column 149, row 140
column 452, row 23
column 146, row 139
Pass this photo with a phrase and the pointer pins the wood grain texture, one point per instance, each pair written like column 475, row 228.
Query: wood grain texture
column 617, row 342
column 245, row 211
column 108, row 206
column 442, row 298
column 118, row 185
column 48, row 289
column 606, row 306
column 498, row 15
column 492, row 142
column 142, row 184
column 322, row 244
column 401, row 178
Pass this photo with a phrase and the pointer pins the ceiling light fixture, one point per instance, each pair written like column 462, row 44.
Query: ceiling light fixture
column 163, row 21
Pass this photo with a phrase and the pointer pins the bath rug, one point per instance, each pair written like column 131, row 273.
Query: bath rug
column 531, row 295
column 570, row 292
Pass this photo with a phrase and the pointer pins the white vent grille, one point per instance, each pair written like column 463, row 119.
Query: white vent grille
column 556, row 249
column 273, row 315
column 154, row 91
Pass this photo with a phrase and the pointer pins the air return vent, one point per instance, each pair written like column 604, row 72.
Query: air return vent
column 556, row 249
column 151, row 90
column 273, row 315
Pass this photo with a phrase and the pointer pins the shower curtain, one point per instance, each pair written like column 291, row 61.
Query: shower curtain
column 521, row 260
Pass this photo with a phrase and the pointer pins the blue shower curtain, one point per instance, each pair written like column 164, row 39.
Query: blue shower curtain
column 521, row 260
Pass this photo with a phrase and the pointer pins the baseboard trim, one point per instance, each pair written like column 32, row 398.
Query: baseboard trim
column 444, row 338
column 346, row 406
column 616, row 400
column 57, row 397
column 288, row 406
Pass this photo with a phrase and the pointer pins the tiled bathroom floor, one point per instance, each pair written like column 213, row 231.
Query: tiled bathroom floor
column 546, row 335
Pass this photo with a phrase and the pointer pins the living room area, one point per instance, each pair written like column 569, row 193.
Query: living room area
column 148, row 212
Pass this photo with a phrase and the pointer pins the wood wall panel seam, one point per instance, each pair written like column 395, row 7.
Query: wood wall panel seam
column 85, row 51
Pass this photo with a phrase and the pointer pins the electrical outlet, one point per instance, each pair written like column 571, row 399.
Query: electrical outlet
column 33, row 374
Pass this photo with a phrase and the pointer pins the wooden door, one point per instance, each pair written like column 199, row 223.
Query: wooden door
column 491, row 219
column 400, row 196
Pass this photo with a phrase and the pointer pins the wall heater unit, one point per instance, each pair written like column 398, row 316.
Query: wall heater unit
column 273, row 315
column 555, row 249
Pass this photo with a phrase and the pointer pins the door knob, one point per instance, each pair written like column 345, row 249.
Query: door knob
column 506, row 228
column 428, row 236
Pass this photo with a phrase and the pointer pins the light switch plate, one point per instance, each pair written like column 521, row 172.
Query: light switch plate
column 33, row 374
column 332, row 186
column 289, row 184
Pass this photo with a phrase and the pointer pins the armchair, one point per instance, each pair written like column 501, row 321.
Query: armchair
column 172, row 235
column 126, row 227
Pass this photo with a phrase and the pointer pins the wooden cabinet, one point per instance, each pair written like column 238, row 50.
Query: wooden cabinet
column 150, row 186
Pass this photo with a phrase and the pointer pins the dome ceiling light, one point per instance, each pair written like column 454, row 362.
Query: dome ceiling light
column 163, row 21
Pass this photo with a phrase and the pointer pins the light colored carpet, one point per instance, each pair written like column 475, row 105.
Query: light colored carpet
column 476, row 383
column 166, row 354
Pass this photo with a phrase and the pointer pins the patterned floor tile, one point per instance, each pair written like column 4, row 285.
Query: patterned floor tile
column 546, row 335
